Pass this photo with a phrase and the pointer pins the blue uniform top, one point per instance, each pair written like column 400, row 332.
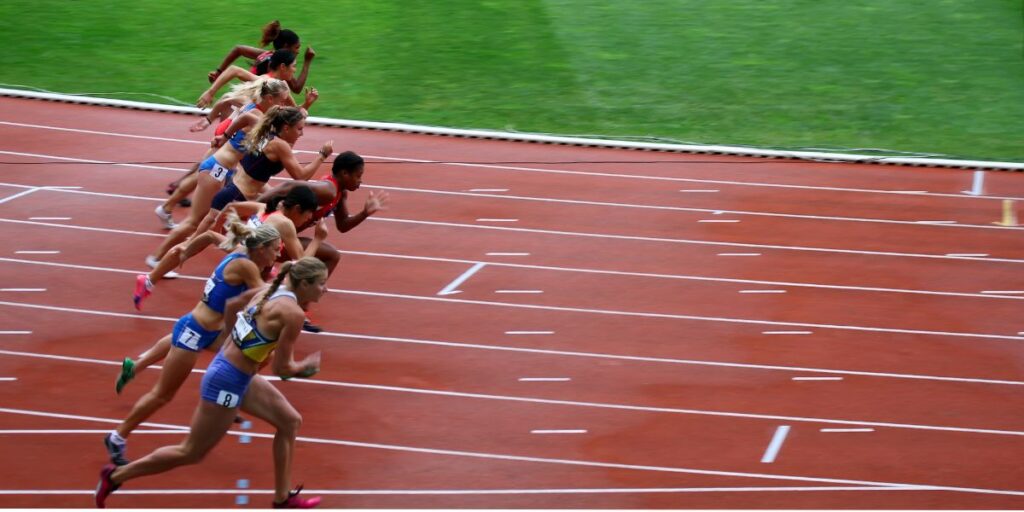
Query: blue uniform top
column 217, row 292
column 239, row 136
column 254, row 344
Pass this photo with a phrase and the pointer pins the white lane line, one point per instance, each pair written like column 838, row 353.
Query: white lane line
column 497, row 220
column 566, row 431
column 568, row 403
column 36, row 252
column 558, row 233
column 762, row 291
column 508, row 254
column 683, row 240
column 8, row 379
column 817, row 378
column 698, row 190
column 67, row 431
column 544, row 379
column 785, row 332
column 22, row 289
column 527, row 333
column 20, row 194
column 936, row 222
column 520, row 458
column 568, row 353
column 842, row 327
column 775, row 445
column 1004, row 292
column 15, row 332
column 519, row 291
column 444, row 492
column 718, row 220
column 493, row 166
column 49, row 218
column 739, row 254
column 966, row 255
column 451, row 288
column 488, row 190
column 847, row 430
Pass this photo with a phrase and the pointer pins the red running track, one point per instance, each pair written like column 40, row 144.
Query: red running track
column 668, row 352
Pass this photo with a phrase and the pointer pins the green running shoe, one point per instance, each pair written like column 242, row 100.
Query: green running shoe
column 127, row 374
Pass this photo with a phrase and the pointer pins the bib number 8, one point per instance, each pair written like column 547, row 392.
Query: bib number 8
column 227, row 399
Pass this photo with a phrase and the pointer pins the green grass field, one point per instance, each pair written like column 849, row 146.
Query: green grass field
column 933, row 76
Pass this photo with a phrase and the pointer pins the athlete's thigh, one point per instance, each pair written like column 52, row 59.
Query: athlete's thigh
column 266, row 402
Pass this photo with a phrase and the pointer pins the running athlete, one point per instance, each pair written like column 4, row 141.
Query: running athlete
column 270, row 323
column 219, row 167
column 197, row 330
column 331, row 194
column 296, row 208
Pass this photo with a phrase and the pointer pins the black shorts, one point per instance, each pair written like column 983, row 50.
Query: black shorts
column 228, row 194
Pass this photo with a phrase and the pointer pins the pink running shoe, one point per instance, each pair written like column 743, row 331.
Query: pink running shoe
column 294, row 501
column 107, row 486
column 143, row 289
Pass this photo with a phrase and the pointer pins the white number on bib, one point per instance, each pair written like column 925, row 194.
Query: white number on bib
column 227, row 399
column 189, row 338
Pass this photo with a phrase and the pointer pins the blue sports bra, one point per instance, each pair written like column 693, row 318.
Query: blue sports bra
column 239, row 136
column 248, row 338
column 217, row 292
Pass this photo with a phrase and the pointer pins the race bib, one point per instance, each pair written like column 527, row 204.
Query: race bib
column 189, row 338
column 227, row 399
column 219, row 172
column 242, row 328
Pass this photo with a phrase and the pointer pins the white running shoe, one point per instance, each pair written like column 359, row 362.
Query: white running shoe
column 152, row 262
column 165, row 216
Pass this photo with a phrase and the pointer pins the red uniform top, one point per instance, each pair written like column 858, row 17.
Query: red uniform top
column 326, row 209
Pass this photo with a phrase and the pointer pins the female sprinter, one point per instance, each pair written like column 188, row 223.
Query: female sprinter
column 198, row 330
column 297, row 207
column 271, row 322
column 332, row 194
column 217, row 169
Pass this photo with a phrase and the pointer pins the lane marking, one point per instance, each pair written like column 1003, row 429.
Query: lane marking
column 570, row 431
column 497, row 220
column 739, row 254
column 8, row 379
column 1004, row 292
column 697, row 190
column 966, row 255
column 524, row 333
column 36, row 252
column 593, row 405
column 22, row 289
column 20, row 194
column 594, row 355
column 762, row 291
column 87, row 431
column 786, row 332
column 519, row 291
column 544, row 379
column 443, row 492
column 508, row 254
column 567, row 233
column 847, row 430
column 590, row 310
column 451, row 288
column 936, row 222
column 775, row 445
column 687, row 241
column 488, row 190
column 817, row 378
column 49, row 218
column 717, row 220
column 15, row 332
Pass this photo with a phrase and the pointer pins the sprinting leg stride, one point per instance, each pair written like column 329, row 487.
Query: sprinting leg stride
column 271, row 322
